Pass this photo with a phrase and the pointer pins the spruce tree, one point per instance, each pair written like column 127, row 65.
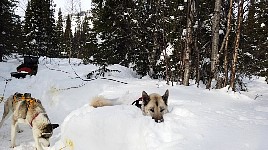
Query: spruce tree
column 59, row 34
column 39, row 29
column 85, row 38
column 112, row 24
column 10, row 28
column 254, row 42
column 68, row 37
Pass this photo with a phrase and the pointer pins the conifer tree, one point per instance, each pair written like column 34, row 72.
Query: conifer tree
column 39, row 29
column 9, row 28
column 59, row 32
column 114, row 29
column 88, row 40
column 68, row 37
column 254, row 40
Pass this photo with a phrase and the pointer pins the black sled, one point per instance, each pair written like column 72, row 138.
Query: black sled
column 28, row 67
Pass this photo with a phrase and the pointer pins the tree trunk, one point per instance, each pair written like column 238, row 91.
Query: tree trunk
column 215, row 43
column 225, row 44
column 237, row 41
column 188, row 47
column 197, row 50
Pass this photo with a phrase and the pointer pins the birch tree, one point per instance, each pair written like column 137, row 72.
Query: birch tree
column 189, row 39
column 215, row 43
column 225, row 43
column 236, row 46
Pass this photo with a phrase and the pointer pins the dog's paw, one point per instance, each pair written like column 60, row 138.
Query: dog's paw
column 13, row 145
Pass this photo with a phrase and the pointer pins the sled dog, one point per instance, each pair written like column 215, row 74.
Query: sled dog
column 25, row 109
column 153, row 105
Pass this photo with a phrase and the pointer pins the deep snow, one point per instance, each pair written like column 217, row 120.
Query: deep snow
column 198, row 119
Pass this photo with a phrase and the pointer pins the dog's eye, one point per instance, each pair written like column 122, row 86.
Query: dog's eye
column 152, row 110
column 161, row 110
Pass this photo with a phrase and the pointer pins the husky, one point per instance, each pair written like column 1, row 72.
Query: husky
column 153, row 105
column 28, row 110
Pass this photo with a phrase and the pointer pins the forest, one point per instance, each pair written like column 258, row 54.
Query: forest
column 216, row 43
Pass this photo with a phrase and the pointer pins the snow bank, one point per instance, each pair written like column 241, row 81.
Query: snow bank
column 118, row 127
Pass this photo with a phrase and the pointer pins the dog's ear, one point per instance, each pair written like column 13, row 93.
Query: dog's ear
column 145, row 98
column 38, row 101
column 27, row 95
column 54, row 126
column 165, row 97
column 17, row 94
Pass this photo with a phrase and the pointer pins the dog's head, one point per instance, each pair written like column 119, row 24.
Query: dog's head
column 46, row 133
column 155, row 105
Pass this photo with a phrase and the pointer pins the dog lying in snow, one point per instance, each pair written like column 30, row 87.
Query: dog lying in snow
column 153, row 105
column 26, row 109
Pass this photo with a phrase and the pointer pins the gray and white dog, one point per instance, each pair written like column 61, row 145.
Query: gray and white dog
column 28, row 110
column 153, row 105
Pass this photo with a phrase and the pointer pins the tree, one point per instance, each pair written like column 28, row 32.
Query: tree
column 225, row 43
column 114, row 33
column 88, row 40
column 237, row 41
column 68, row 37
column 215, row 43
column 189, row 36
column 254, row 40
column 59, row 34
column 10, row 28
column 39, row 28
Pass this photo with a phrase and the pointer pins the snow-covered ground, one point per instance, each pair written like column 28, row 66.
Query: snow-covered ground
column 198, row 119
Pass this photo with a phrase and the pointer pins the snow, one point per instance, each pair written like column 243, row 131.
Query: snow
column 180, row 7
column 198, row 119
column 169, row 49
column 221, row 32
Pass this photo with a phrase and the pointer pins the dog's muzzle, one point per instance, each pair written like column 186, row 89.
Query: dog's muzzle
column 158, row 120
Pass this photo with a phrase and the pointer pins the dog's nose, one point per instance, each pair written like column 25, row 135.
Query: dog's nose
column 159, row 120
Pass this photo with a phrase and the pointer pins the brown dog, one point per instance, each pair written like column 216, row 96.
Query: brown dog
column 153, row 105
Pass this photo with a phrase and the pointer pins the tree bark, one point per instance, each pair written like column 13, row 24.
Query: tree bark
column 225, row 44
column 215, row 43
column 188, row 47
column 237, row 41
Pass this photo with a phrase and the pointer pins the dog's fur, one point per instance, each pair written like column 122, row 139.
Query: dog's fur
column 153, row 105
column 25, row 109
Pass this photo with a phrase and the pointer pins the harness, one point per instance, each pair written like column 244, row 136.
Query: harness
column 29, row 102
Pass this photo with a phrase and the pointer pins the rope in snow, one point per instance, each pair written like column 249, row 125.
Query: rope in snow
column 85, row 80
column 96, row 78
column 56, row 69
column 3, row 95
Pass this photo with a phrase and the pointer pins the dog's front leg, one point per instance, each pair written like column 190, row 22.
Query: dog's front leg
column 36, row 139
column 13, row 133
column 7, row 112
